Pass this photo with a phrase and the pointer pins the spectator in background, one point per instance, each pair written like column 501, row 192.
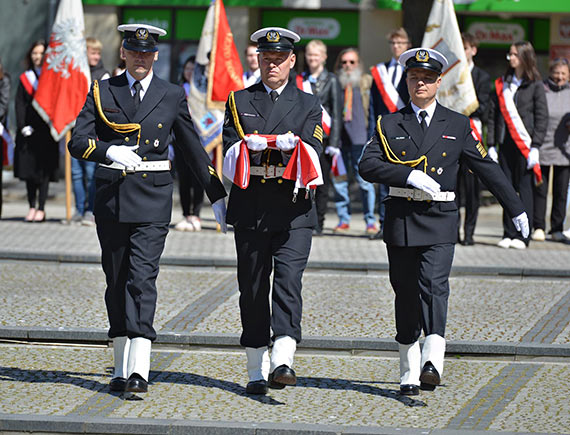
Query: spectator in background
column 4, row 100
column 120, row 68
column 555, row 152
column 356, row 99
column 388, row 93
column 189, row 188
column 324, row 84
column 468, row 182
column 83, row 171
column 36, row 157
column 253, row 74
column 523, row 91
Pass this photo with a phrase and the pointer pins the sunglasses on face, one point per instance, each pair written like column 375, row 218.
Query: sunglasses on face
column 351, row 62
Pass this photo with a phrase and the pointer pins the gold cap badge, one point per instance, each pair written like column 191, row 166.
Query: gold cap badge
column 422, row 56
column 141, row 33
column 273, row 36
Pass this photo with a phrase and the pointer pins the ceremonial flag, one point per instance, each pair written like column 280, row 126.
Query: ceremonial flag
column 442, row 34
column 64, row 81
column 218, row 71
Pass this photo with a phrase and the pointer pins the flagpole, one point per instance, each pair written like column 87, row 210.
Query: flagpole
column 67, row 178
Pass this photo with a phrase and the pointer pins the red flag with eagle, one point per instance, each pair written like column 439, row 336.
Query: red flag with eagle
column 65, row 77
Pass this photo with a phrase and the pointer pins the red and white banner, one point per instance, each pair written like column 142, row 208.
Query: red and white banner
column 303, row 167
column 29, row 81
column 305, row 86
column 514, row 123
column 477, row 127
column 225, row 73
column 387, row 90
column 65, row 77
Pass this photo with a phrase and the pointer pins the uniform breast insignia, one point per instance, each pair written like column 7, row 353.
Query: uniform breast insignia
column 89, row 149
column 251, row 115
column 111, row 110
column 318, row 133
column 449, row 137
column 481, row 149
column 156, row 143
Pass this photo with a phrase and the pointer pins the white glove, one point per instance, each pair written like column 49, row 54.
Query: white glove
column 27, row 131
column 521, row 224
column 286, row 142
column 493, row 154
column 332, row 151
column 532, row 158
column 219, row 208
column 423, row 182
column 124, row 155
column 255, row 142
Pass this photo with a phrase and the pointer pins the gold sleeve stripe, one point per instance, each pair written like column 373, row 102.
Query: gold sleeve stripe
column 119, row 128
column 213, row 172
column 392, row 157
column 318, row 133
column 89, row 149
column 481, row 150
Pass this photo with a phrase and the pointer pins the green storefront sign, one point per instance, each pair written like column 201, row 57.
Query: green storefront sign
column 155, row 17
column 332, row 27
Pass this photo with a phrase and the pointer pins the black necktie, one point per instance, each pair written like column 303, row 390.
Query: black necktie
column 137, row 96
column 423, row 124
column 274, row 95
column 394, row 74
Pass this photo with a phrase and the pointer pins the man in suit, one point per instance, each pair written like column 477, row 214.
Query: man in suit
column 468, row 183
column 416, row 152
column 273, row 222
column 124, row 126
column 388, row 93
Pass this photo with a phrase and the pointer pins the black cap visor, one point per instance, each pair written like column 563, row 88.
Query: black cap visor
column 284, row 44
column 431, row 65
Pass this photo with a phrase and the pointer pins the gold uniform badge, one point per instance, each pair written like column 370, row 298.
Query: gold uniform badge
column 422, row 56
column 273, row 36
column 141, row 33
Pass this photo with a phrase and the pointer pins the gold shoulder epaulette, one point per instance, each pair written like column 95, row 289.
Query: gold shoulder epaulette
column 119, row 128
column 391, row 155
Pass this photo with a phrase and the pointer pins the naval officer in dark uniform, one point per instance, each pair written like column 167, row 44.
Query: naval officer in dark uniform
column 124, row 126
column 417, row 151
column 273, row 225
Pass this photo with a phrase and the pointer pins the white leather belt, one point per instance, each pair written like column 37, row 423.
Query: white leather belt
column 267, row 171
column 420, row 195
column 156, row 165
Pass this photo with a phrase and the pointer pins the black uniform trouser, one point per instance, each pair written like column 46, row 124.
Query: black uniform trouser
column 513, row 165
column 190, row 190
column 561, row 176
column 259, row 252
column 322, row 193
column 420, row 278
column 468, row 189
column 130, row 254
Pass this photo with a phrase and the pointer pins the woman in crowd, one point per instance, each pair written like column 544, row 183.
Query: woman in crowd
column 190, row 190
column 517, row 124
column 4, row 99
column 36, row 157
column 555, row 152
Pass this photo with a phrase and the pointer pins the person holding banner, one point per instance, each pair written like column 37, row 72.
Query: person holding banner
column 518, row 118
column 272, row 140
column 124, row 126
column 416, row 151
column 388, row 94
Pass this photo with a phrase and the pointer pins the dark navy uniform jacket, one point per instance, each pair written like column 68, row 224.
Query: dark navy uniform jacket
column 447, row 141
column 267, row 205
column 140, row 196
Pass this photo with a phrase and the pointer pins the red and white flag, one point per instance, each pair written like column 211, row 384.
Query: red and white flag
column 305, row 86
column 64, row 81
column 515, row 124
column 388, row 92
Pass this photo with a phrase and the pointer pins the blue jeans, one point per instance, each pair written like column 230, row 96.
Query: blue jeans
column 83, row 178
column 351, row 156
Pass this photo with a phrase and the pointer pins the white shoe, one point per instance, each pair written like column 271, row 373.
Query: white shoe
column 121, row 346
column 433, row 351
column 538, row 235
column 567, row 233
column 139, row 357
column 184, row 225
column 505, row 243
column 410, row 358
column 195, row 222
column 518, row 244
column 283, row 352
column 257, row 363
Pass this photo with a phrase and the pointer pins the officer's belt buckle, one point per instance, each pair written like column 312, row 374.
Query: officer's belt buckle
column 417, row 195
column 130, row 169
column 270, row 171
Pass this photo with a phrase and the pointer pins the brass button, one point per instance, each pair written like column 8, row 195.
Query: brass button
column 147, row 141
column 403, row 153
column 144, row 175
column 428, row 200
column 123, row 174
column 127, row 139
column 280, row 164
column 263, row 181
column 443, row 154
column 409, row 199
column 144, row 158
column 280, row 181
column 255, row 132
column 432, row 169
column 159, row 125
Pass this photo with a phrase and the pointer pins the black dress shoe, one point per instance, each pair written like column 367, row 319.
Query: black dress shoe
column 282, row 376
column 136, row 384
column 118, row 384
column 409, row 390
column 430, row 375
column 378, row 236
column 256, row 387
column 468, row 241
column 426, row 387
